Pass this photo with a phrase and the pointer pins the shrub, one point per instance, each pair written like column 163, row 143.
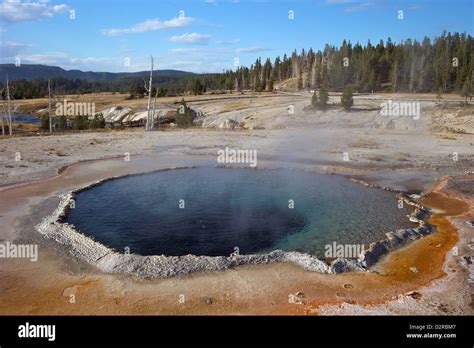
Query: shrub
column 44, row 122
column 97, row 122
column 184, row 117
column 62, row 125
column 80, row 123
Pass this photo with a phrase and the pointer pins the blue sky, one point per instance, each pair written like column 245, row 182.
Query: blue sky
column 207, row 36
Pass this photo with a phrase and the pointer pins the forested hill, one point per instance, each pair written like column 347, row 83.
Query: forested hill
column 33, row 71
column 443, row 64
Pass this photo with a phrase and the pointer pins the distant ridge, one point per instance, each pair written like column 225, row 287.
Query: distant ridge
column 33, row 71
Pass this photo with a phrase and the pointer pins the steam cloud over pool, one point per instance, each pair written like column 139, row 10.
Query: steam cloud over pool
column 228, row 208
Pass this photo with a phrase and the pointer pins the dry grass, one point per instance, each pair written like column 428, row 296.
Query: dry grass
column 365, row 144
column 108, row 100
column 458, row 120
column 25, row 127
column 291, row 83
column 403, row 157
column 234, row 106
column 376, row 158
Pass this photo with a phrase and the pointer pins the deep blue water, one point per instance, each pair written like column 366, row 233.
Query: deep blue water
column 225, row 208
column 24, row 118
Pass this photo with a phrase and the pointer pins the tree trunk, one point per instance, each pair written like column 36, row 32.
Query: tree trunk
column 49, row 107
column 3, row 114
column 149, row 119
column 9, row 110
column 153, row 110
column 3, row 127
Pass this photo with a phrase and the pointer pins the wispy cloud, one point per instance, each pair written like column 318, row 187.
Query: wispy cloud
column 11, row 49
column 252, row 49
column 192, row 38
column 354, row 5
column 415, row 7
column 361, row 7
column 228, row 42
column 151, row 25
column 46, row 58
column 198, row 59
column 199, row 66
column 21, row 11
column 64, row 60
column 332, row 2
column 182, row 50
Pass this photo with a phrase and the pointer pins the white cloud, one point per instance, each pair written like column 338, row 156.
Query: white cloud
column 45, row 58
column 228, row 42
column 332, row 2
column 91, row 60
column 415, row 7
column 151, row 25
column 20, row 11
column 361, row 7
column 252, row 49
column 65, row 61
column 201, row 51
column 182, row 50
column 199, row 66
column 60, row 8
column 11, row 49
column 355, row 5
column 193, row 38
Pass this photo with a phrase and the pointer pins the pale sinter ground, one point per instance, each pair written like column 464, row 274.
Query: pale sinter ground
column 406, row 153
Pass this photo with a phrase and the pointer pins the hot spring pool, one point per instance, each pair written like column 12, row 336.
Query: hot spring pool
column 228, row 208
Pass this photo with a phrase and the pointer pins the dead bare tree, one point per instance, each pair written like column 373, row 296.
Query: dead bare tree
column 9, row 109
column 149, row 118
column 49, row 107
column 54, row 97
column 3, row 114
column 153, row 109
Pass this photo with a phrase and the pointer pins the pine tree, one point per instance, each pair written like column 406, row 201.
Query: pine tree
column 444, row 63
column 300, row 82
column 323, row 96
column 319, row 99
column 346, row 99
column 270, row 84
column 314, row 100
column 466, row 91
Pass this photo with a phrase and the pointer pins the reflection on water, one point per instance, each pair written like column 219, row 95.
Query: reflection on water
column 209, row 211
column 23, row 118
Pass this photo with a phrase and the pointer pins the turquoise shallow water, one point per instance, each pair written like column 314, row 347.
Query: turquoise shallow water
column 228, row 208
